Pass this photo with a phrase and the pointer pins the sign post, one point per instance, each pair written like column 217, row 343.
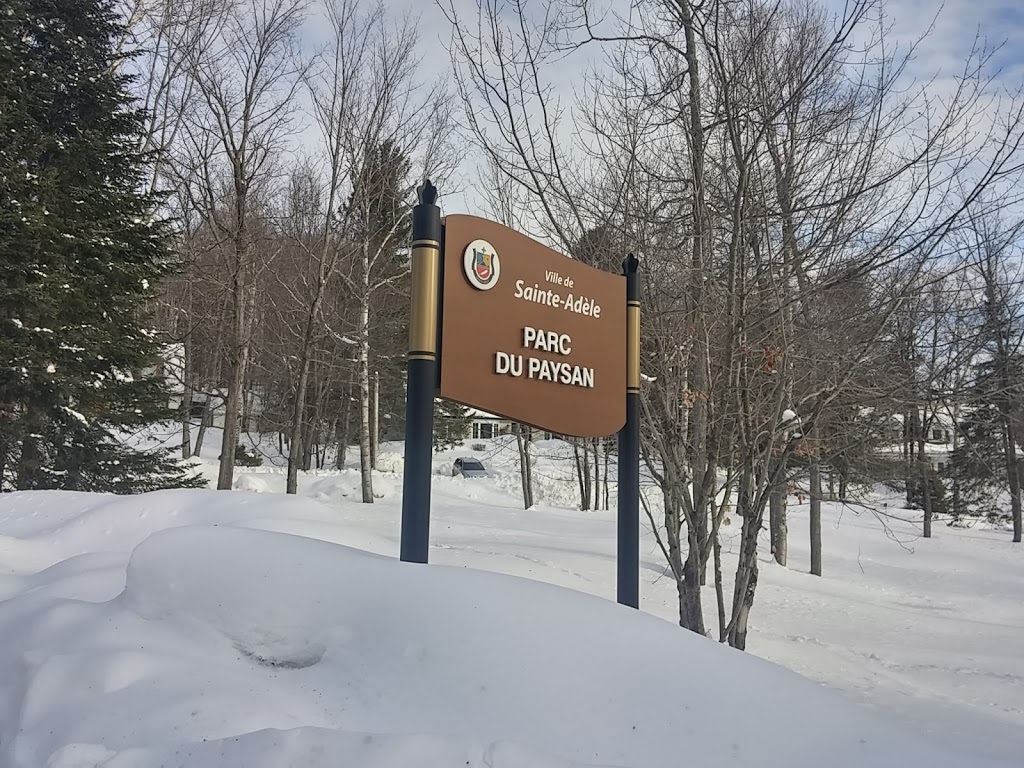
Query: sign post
column 421, row 374
column 525, row 333
column 628, row 554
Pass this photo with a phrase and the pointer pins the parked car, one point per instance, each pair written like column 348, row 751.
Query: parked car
column 468, row 467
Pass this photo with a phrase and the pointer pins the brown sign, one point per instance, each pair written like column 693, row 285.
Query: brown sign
column 530, row 334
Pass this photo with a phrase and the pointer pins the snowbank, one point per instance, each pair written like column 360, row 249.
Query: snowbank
column 218, row 644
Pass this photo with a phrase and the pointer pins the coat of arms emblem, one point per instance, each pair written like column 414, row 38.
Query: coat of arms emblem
column 481, row 265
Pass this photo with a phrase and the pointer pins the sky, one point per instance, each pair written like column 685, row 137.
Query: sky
column 956, row 26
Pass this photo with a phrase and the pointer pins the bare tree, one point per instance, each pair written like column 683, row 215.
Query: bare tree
column 379, row 122
column 246, row 80
column 789, row 162
column 995, row 259
column 167, row 36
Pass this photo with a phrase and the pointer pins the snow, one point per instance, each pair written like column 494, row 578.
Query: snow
column 75, row 415
column 203, row 628
column 788, row 416
column 173, row 629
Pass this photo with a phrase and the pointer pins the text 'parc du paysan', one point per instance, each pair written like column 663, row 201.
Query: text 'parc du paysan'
column 538, row 368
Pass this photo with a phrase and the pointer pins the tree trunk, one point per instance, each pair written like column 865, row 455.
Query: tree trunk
column 912, row 420
column 308, row 435
column 606, row 452
column 1013, row 475
column 343, row 432
column 204, row 421
column 30, row 458
column 686, row 574
column 27, row 464
column 525, row 471
column 691, row 612
column 1016, row 512
column 719, row 587
column 321, row 457
column 777, row 514
column 582, row 479
column 186, row 395
column 747, row 568
column 375, row 421
column 298, row 412
column 698, row 373
column 365, row 463
column 232, row 424
column 589, row 500
column 956, row 475
column 738, row 636
column 239, row 364
column 926, row 486
column 815, row 481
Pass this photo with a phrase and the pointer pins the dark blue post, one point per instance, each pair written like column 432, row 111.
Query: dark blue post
column 421, row 374
column 628, row 560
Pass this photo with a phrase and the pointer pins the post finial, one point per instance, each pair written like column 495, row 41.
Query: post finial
column 630, row 264
column 426, row 193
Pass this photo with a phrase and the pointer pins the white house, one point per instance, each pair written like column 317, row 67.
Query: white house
column 484, row 426
column 938, row 442
column 173, row 371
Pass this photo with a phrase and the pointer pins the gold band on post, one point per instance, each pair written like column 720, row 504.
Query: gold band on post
column 633, row 346
column 426, row 279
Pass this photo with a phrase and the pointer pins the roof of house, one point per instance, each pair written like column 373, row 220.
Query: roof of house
column 476, row 413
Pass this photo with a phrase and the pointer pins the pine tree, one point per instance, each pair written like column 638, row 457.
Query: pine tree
column 80, row 252
column 451, row 424
column 977, row 467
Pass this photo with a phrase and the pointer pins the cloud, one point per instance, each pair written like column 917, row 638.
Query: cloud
column 944, row 35
column 952, row 29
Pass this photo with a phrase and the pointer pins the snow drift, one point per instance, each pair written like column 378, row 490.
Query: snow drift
column 222, row 645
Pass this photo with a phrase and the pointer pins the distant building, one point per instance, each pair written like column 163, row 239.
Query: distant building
column 486, row 426
column 938, row 442
column 173, row 370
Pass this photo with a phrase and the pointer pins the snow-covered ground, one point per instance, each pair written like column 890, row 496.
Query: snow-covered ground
column 224, row 642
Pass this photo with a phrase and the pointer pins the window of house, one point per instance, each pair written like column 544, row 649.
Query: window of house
column 196, row 409
column 937, row 435
column 482, row 431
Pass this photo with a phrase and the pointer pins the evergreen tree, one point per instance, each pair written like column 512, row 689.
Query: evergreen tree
column 80, row 250
column 451, row 424
column 977, row 467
